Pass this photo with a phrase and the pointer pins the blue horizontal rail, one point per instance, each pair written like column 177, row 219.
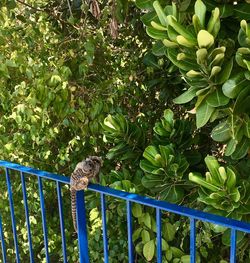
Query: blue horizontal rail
column 130, row 198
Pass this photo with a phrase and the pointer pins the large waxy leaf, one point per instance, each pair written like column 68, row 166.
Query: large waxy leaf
column 172, row 194
column 137, row 210
column 231, row 146
column 149, row 250
column 186, row 96
column 203, row 114
column 169, row 231
column 152, row 181
column 196, row 178
column 156, row 34
column 225, row 73
column 242, row 11
column 159, row 49
column 185, row 65
column 242, row 103
column 150, row 153
column 221, row 132
column 217, row 98
column 149, row 17
column 241, row 149
column 200, row 11
column 234, row 85
column 144, row 4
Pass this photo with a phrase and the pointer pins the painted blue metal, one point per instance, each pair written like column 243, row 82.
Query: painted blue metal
column 192, row 240
column 130, row 231
column 130, row 198
column 159, row 242
column 60, row 207
column 82, row 227
column 176, row 209
column 104, row 227
column 2, row 242
column 12, row 213
column 233, row 246
column 42, row 205
column 27, row 217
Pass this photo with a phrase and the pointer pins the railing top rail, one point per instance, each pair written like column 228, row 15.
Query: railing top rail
column 165, row 206
column 29, row 170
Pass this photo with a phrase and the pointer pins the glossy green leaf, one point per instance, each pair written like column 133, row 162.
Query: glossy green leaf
column 137, row 210
column 186, row 96
column 144, row 4
column 145, row 236
column 241, row 149
column 200, row 10
column 156, row 34
column 203, row 114
column 217, row 99
column 149, row 250
column 234, row 85
column 222, row 132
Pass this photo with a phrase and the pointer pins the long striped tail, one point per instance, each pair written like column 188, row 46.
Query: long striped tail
column 73, row 208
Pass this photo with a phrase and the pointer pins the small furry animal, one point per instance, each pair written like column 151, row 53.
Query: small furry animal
column 80, row 178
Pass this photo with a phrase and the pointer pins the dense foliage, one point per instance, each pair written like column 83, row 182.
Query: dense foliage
column 159, row 89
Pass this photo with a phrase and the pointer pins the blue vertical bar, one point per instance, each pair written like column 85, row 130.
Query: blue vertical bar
column 2, row 242
column 27, row 217
column 104, row 227
column 130, row 240
column 82, row 227
column 233, row 246
column 12, row 213
column 159, row 245
column 59, row 197
column 42, row 205
column 192, row 240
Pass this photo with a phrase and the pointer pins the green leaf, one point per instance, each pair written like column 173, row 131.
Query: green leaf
column 144, row 4
column 156, row 34
column 136, row 234
column 226, row 237
column 150, row 153
column 177, row 253
column 147, row 220
column 152, row 181
column 160, row 12
column 231, row 146
column 172, row 194
column 159, row 49
column 169, row 232
column 151, row 61
column 224, row 75
column 149, row 250
column 137, row 210
column 149, row 17
column 217, row 99
column 200, row 11
column 145, row 236
column 242, row 102
column 186, row 96
column 242, row 11
column 185, row 65
column 196, row 178
column 241, row 149
column 203, row 114
column 234, row 85
column 221, row 132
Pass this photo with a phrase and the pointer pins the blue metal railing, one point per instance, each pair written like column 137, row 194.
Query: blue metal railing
column 130, row 198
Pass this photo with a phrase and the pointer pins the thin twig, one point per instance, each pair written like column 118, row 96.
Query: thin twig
column 30, row 6
column 70, row 10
